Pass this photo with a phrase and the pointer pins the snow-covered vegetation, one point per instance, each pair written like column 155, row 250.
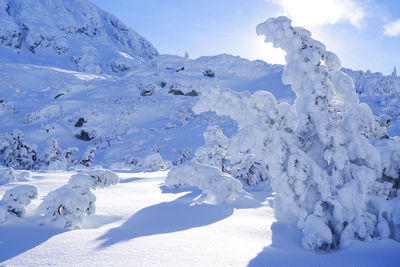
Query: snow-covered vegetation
column 15, row 200
column 79, row 90
column 67, row 206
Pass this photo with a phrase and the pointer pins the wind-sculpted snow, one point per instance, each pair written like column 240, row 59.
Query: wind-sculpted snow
column 74, row 33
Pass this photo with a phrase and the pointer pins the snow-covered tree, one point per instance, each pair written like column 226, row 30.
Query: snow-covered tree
column 258, row 150
column 53, row 157
column 14, row 152
column 213, row 152
column 329, row 182
column 184, row 155
column 88, row 156
column 69, row 155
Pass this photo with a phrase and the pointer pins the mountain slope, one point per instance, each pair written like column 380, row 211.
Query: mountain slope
column 74, row 34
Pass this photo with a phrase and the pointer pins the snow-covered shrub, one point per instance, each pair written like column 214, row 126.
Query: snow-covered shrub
column 251, row 171
column 67, row 206
column 265, row 129
column 184, row 155
column 102, row 178
column 53, row 157
column 155, row 162
column 329, row 183
column 209, row 73
column 7, row 175
column 218, row 187
column 119, row 65
column 16, row 199
column 146, row 89
column 68, row 155
column 213, row 152
column 86, row 134
column 88, row 156
column 14, row 152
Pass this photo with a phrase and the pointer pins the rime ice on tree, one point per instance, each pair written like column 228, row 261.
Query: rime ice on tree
column 332, row 190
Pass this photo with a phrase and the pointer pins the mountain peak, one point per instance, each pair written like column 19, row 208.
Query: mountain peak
column 77, row 31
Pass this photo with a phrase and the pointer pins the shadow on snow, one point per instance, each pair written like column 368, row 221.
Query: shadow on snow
column 16, row 239
column 286, row 250
column 181, row 214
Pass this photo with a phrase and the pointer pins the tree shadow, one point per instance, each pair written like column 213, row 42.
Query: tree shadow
column 23, row 234
column 16, row 239
column 183, row 213
column 286, row 250
column 129, row 180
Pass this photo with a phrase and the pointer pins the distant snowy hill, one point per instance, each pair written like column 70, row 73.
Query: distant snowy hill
column 126, row 118
column 74, row 34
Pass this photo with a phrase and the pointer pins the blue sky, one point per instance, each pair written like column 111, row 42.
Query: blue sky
column 364, row 34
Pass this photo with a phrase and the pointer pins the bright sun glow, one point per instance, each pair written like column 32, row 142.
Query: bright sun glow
column 308, row 13
column 266, row 52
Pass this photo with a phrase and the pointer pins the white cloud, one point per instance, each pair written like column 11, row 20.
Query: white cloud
column 308, row 13
column 393, row 28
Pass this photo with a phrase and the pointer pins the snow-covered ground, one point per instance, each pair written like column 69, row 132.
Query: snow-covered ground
column 139, row 222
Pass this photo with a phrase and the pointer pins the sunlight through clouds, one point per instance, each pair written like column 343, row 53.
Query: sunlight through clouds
column 308, row 13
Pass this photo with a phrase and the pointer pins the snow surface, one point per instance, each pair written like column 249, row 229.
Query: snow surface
column 139, row 222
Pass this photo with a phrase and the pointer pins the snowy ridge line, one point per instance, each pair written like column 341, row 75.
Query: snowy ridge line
column 72, row 33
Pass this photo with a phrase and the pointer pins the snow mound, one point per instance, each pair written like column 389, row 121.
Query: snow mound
column 219, row 188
